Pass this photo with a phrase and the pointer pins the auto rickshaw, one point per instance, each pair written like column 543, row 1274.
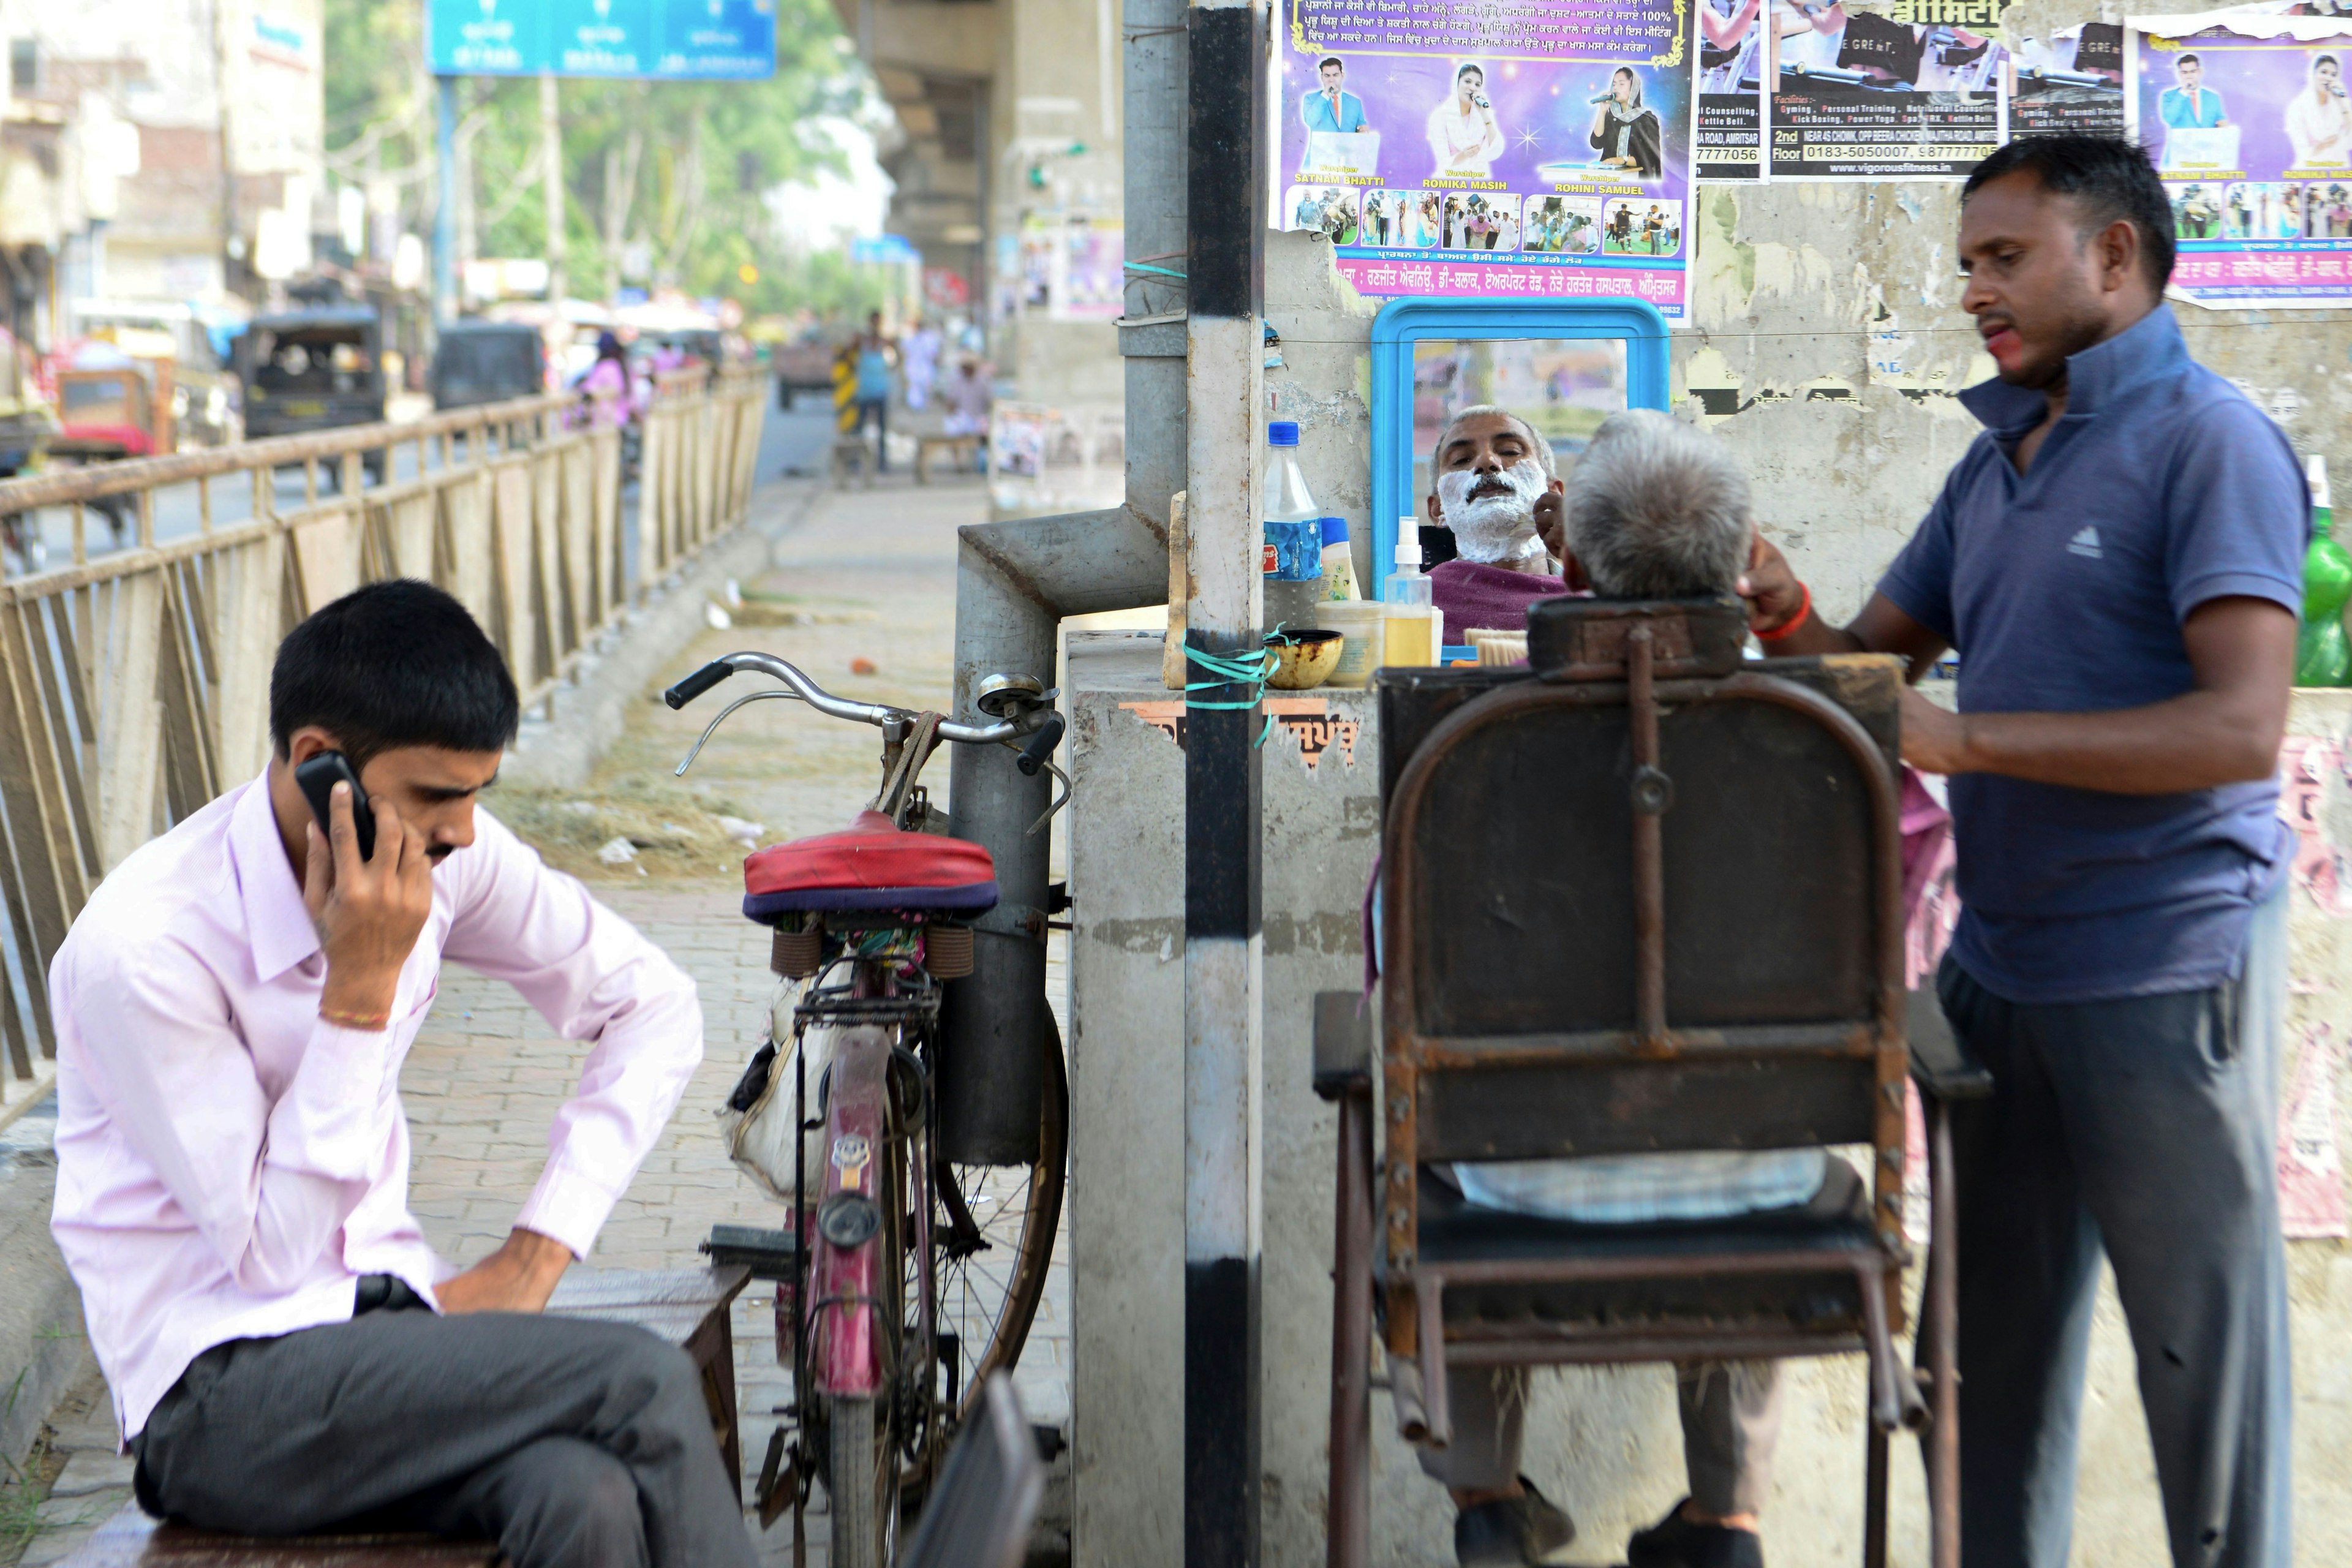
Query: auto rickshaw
column 318, row 368
column 111, row 408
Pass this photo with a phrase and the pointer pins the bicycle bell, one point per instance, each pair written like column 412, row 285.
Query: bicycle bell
column 1010, row 696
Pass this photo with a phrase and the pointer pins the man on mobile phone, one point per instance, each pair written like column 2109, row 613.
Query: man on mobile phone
column 2118, row 560
column 233, row 1007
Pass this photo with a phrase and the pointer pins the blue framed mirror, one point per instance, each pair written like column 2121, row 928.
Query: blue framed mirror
column 1562, row 366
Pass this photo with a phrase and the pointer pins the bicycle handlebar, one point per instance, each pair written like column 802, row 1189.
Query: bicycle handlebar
column 823, row 701
column 1041, row 745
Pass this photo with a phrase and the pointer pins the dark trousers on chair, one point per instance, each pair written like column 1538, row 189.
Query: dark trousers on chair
column 2146, row 1127
column 1730, row 1410
column 571, row 1444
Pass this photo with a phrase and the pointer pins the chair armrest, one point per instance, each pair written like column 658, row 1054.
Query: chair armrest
column 1343, row 1046
column 1940, row 1059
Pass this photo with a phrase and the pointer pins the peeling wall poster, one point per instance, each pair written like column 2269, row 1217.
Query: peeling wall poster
column 1500, row 149
column 2248, row 120
column 2070, row 84
column 1731, row 56
column 2310, row 1163
column 1906, row 89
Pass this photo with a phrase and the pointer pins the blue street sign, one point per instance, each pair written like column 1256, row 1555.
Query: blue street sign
column 673, row 40
column 889, row 248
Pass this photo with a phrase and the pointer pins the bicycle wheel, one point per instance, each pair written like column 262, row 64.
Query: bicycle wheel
column 996, row 1239
column 862, row 1473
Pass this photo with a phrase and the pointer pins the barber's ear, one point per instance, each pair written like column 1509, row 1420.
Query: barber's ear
column 1572, row 572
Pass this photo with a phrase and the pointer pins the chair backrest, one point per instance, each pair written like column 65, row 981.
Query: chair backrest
column 980, row 1513
column 1640, row 895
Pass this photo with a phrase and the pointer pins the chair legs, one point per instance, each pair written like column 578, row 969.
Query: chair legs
column 1874, row 1497
column 1896, row 1400
column 1350, row 1526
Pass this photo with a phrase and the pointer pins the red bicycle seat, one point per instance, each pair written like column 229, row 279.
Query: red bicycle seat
column 870, row 866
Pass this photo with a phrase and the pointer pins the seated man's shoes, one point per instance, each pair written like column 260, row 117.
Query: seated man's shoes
column 1675, row 1542
column 1511, row 1532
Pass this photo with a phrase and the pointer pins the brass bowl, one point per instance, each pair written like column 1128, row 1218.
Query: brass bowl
column 1304, row 660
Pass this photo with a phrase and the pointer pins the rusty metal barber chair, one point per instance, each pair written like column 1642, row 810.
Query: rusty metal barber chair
column 1639, row 895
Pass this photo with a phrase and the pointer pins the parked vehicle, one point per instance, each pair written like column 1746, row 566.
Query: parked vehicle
column 111, row 407
column 203, row 395
column 804, row 364
column 317, row 369
column 478, row 361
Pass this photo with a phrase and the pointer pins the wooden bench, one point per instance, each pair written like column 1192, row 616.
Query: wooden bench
column 687, row 1306
column 964, row 448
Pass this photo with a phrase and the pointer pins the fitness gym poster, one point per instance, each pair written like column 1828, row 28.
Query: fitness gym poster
column 1906, row 90
column 2071, row 84
column 2249, row 122
column 1503, row 149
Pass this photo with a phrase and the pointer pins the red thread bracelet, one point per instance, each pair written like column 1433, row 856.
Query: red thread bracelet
column 1794, row 622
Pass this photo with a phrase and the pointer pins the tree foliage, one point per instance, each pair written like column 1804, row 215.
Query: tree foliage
column 676, row 175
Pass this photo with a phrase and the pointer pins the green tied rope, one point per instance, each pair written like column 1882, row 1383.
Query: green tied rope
column 1162, row 271
column 1249, row 669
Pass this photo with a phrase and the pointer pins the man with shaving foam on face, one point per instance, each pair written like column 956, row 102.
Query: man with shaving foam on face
column 1497, row 490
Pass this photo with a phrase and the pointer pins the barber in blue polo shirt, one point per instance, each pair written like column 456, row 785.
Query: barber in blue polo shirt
column 2118, row 560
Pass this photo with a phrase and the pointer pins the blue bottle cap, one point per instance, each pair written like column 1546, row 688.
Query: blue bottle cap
column 1335, row 531
column 1282, row 432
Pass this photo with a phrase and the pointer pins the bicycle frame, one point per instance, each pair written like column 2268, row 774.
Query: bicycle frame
column 845, row 1308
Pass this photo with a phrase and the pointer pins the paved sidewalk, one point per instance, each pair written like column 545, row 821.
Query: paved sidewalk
column 870, row 575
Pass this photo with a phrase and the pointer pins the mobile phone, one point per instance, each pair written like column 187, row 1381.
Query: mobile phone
column 317, row 777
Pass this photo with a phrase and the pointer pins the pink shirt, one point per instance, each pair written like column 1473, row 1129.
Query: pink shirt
column 229, row 1165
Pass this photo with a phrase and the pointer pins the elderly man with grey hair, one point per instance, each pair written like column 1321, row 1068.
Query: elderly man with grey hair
column 1655, row 510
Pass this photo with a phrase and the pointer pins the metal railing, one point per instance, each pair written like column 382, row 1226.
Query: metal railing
column 134, row 685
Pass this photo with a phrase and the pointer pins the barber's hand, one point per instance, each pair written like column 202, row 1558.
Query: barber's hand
column 368, row 912
column 517, row 1278
column 1551, row 523
column 1935, row 740
column 1773, row 594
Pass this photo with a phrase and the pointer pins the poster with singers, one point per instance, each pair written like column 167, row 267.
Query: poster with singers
column 2248, row 120
column 1505, row 149
column 1894, row 90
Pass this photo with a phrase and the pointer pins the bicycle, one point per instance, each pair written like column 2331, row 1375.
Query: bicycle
column 904, row 1261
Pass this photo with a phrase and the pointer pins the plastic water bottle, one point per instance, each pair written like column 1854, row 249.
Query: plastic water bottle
column 1416, row 626
column 1294, row 536
column 2323, row 654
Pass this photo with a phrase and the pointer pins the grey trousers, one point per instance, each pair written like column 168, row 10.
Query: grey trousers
column 1730, row 1413
column 571, row 1444
column 2144, row 1127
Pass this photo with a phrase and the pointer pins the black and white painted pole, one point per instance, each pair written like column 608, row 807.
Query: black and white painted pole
column 1226, row 415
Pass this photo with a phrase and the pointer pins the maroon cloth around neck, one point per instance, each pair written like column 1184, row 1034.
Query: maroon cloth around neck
column 1476, row 597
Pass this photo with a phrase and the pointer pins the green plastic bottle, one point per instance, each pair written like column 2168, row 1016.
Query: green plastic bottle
column 2323, row 652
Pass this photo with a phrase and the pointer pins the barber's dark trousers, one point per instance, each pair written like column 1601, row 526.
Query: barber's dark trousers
column 2144, row 1127
column 571, row 1444
column 1731, row 1419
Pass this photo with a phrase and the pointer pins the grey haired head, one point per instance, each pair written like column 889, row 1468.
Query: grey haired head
column 1657, row 510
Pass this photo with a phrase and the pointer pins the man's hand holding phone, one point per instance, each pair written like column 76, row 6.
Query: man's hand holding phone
column 368, row 911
